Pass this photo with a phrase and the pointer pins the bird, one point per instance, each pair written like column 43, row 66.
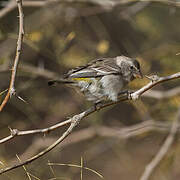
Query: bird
column 103, row 78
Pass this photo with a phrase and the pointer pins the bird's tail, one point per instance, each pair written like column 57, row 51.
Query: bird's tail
column 59, row 81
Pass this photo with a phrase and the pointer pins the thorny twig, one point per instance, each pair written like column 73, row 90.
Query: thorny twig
column 11, row 90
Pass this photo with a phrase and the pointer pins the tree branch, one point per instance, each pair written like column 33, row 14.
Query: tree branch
column 74, row 122
column 77, row 118
column 124, row 132
column 15, row 132
column 163, row 150
column 108, row 5
column 162, row 94
column 154, row 81
column 11, row 90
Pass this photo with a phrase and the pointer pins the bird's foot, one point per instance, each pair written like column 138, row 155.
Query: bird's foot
column 129, row 94
column 126, row 92
column 97, row 105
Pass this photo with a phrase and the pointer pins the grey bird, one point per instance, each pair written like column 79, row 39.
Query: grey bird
column 103, row 78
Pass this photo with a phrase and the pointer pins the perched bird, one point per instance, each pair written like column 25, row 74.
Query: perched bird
column 103, row 78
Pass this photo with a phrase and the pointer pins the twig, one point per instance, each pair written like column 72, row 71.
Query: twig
column 38, row 71
column 77, row 166
column 109, row 5
column 11, row 90
column 74, row 122
column 162, row 94
column 124, row 132
column 163, row 150
column 12, row 5
column 9, row 7
column 101, row 131
column 155, row 80
column 15, row 132
column 77, row 118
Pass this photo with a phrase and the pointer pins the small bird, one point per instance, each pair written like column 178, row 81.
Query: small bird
column 103, row 78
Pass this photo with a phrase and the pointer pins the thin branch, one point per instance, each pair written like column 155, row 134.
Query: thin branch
column 124, row 132
column 9, row 7
column 101, row 131
column 108, row 5
column 162, row 94
column 75, row 120
column 15, row 132
column 163, row 150
column 155, row 80
column 11, row 90
column 77, row 166
column 38, row 71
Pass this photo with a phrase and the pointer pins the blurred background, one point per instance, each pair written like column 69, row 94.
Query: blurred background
column 63, row 34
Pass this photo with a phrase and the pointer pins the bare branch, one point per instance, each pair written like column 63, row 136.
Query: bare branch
column 155, row 80
column 38, row 71
column 15, row 132
column 11, row 90
column 162, row 94
column 108, row 5
column 102, row 131
column 9, row 7
column 77, row 118
column 74, row 122
column 163, row 150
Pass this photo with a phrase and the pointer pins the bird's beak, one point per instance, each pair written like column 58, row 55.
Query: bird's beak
column 138, row 74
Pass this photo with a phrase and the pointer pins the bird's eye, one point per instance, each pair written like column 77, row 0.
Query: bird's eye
column 131, row 67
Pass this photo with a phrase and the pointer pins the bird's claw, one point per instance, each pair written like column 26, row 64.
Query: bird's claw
column 97, row 105
column 129, row 94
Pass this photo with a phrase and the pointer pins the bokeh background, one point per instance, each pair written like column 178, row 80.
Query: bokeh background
column 60, row 35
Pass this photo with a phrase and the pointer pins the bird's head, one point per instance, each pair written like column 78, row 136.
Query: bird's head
column 130, row 67
column 135, row 69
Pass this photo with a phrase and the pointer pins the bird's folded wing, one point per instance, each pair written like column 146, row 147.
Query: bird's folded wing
column 97, row 68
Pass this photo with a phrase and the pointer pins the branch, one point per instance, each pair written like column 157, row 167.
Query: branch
column 101, row 131
column 11, row 90
column 9, row 7
column 38, row 71
column 108, row 5
column 77, row 118
column 162, row 94
column 74, row 122
column 163, row 150
column 154, row 81
column 124, row 132
column 15, row 132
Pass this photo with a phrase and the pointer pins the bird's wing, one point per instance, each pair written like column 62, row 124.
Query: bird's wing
column 96, row 68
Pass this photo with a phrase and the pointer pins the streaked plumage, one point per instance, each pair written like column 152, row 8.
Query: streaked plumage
column 104, row 77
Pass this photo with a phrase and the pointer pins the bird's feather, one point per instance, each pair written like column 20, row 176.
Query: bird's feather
column 96, row 68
